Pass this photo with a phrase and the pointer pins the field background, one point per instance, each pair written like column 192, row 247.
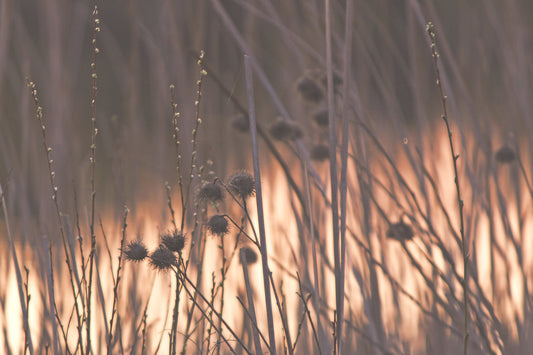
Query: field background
column 397, row 140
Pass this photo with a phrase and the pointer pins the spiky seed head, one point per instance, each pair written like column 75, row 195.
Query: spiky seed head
column 505, row 155
column 321, row 117
column 249, row 255
column 135, row 251
column 242, row 184
column 285, row 130
column 163, row 259
column 218, row 224
column 400, row 231
column 211, row 192
column 319, row 152
column 309, row 89
column 173, row 241
column 241, row 123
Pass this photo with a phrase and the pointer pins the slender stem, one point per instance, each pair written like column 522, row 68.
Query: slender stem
column 185, row 280
column 51, row 294
column 460, row 203
column 114, row 309
column 344, row 162
column 259, row 200
column 339, row 299
column 18, row 274
column 92, row 160
column 51, row 174
column 194, row 152
column 174, row 329
column 222, row 283
column 175, row 136
column 250, row 297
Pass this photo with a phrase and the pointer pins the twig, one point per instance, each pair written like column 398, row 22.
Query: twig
column 308, row 313
column 114, row 309
column 194, row 152
column 460, row 203
column 251, row 307
column 92, row 159
column 51, row 294
column 18, row 275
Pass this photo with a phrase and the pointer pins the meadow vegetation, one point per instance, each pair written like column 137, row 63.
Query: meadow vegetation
column 266, row 176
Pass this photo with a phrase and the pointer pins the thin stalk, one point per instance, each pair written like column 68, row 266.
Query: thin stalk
column 51, row 174
column 344, row 160
column 194, row 152
column 222, row 282
column 259, row 200
column 211, row 322
column 174, row 329
column 185, row 280
column 18, row 274
column 460, row 203
column 51, row 294
column 251, row 307
column 57, row 318
column 339, row 299
column 114, row 309
column 283, row 316
column 92, row 159
column 316, row 289
column 300, row 294
column 176, row 139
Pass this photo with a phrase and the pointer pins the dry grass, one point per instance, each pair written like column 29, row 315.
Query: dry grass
column 292, row 190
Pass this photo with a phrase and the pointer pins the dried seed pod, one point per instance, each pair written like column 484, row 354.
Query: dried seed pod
column 174, row 241
column 309, row 89
column 321, row 117
column 400, row 231
column 211, row 192
column 505, row 155
column 163, row 259
column 135, row 251
column 242, row 184
column 249, row 255
column 319, row 152
column 218, row 224
column 285, row 130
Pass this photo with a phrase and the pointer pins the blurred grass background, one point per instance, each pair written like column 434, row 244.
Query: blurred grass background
column 485, row 47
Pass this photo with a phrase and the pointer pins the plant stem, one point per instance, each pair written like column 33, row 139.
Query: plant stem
column 460, row 203
column 259, row 200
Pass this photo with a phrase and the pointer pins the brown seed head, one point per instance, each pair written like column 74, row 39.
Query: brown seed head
column 319, row 152
column 242, row 184
column 135, row 251
column 249, row 255
column 211, row 192
column 505, row 155
column 174, row 241
column 285, row 130
column 321, row 117
column 218, row 224
column 309, row 89
column 163, row 259
column 400, row 231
